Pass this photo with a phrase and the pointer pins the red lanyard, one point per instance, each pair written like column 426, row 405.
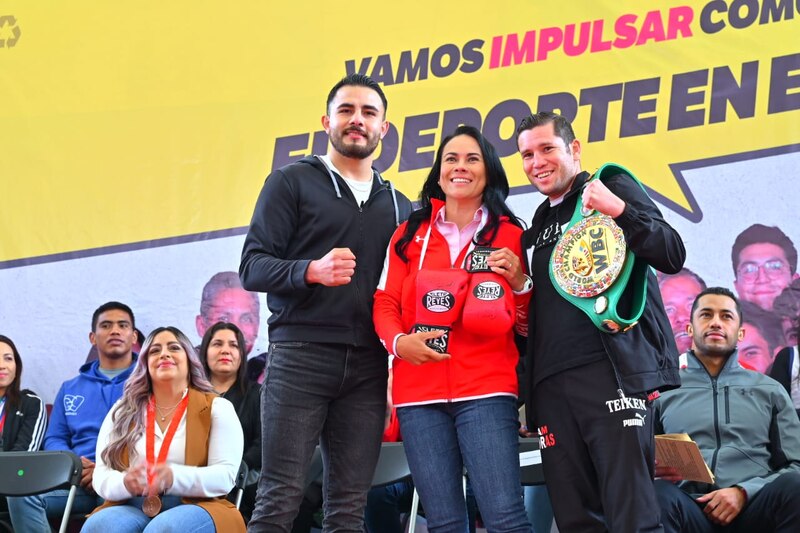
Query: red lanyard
column 150, row 438
column 2, row 414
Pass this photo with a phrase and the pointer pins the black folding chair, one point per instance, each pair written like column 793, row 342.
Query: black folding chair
column 530, row 462
column 392, row 464
column 241, row 479
column 392, row 467
column 29, row 473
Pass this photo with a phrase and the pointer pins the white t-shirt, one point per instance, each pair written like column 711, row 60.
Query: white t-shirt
column 360, row 189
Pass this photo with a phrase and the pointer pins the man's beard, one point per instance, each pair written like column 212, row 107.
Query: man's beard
column 714, row 350
column 354, row 151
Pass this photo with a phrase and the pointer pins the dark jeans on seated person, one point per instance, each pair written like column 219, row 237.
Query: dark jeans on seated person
column 776, row 507
column 386, row 503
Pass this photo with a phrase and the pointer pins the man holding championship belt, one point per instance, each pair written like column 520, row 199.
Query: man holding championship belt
column 600, row 345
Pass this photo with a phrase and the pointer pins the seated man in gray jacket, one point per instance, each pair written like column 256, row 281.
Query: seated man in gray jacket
column 745, row 426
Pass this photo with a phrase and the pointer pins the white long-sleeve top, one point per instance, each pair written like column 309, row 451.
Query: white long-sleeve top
column 225, row 447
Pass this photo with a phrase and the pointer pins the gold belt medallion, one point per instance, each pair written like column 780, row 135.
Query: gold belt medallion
column 589, row 257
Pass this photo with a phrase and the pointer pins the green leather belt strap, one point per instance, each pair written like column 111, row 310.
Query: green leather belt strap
column 594, row 244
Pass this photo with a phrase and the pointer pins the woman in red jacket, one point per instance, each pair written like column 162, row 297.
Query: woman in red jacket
column 451, row 292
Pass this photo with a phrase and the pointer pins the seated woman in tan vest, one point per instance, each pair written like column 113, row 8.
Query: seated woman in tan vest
column 169, row 450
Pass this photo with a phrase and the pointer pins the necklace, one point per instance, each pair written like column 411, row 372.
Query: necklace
column 164, row 412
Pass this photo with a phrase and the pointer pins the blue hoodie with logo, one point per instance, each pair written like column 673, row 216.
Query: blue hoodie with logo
column 80, row 407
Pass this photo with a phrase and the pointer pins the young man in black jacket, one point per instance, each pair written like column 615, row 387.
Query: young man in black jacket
column 316, row 246
column 588, row 391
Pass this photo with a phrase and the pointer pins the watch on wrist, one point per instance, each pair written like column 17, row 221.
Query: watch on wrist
column 527, row 286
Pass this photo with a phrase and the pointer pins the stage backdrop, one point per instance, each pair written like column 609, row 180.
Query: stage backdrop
column 135, row 139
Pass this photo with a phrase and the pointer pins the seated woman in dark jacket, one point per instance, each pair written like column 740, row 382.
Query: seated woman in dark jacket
column 23, row 418
column 221, row 354
column 786, row 371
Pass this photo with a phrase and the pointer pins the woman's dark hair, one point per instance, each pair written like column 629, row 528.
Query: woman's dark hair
column 12, row 391
column 494, row 194
column 241, row 373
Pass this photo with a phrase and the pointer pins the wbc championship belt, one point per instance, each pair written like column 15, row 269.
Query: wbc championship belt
column 591, row 265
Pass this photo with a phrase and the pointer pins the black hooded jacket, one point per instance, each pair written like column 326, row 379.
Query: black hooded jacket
column 304, row 210
column 645, row 358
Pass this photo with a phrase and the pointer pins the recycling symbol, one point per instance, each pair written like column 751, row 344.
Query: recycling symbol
column 9, row 31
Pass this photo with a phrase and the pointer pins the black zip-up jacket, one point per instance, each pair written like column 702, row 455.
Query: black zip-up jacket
column 25, row 424
column 248, row 409
column 645, row 358
column 781, row 370
column 304, row 210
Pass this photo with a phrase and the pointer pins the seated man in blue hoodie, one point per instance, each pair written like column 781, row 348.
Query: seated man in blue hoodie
column 745, row 426
column 79, row 409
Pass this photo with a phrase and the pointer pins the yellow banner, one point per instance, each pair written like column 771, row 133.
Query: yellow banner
column 160, row 121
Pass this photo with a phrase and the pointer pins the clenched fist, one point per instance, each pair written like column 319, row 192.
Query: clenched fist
column 597, row 197
column 335, row 268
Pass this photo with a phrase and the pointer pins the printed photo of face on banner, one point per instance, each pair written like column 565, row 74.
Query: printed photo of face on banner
column 763, row 338
column 764, row 263
column 224, row 300
column 787, row 307
column 678, row 292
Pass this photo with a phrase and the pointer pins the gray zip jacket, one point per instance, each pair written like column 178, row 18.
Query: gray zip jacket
column 742, row 420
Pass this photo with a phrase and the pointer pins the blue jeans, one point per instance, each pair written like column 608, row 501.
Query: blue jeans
column 29, row 514
column 538, row 508
column 481, row 435
column 175, row 516
column 334, row 394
